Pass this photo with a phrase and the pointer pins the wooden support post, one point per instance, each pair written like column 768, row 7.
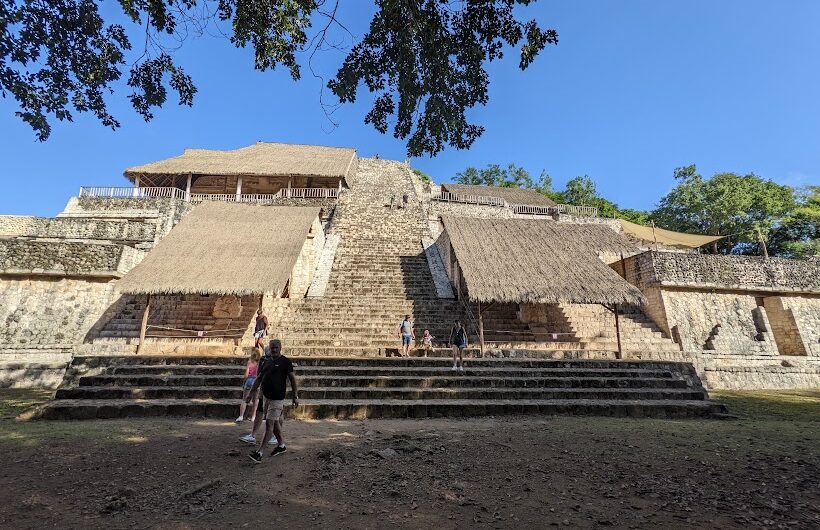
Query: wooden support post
column 188, row 188
column 762, row 243
column 654, row 235
column 238, row 187
column 340, row 184
column 144, row 324
column 480, row 330
column 618, row 332
column 136, row 186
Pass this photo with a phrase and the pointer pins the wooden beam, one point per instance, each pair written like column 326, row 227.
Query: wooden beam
column 480, row 330
column 144, row 324
column 618, row 332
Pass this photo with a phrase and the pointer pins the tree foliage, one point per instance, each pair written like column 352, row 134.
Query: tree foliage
column 798, row 235
column 511, row 176
column 725, row 204
column 425, row 60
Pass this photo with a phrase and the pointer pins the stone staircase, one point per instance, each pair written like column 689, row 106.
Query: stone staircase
column 177, row 316
column 594, row 325
column 572, row 327
column 380, row 273
column 137, row 386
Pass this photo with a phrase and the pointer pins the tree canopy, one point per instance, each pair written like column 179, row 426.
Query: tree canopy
column 729, row 204
column 424, row 60
column 725, row 204
column 798, row 235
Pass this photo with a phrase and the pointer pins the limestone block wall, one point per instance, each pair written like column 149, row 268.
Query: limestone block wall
column 784, row 327
column 46, row 312
column 64, row 258
column 166, row 213
column 457, row 209
column 806, row 311
column 763, row 306
column 744, row 273
column 95, row 230
column 305, row 267
column 437, row 270
column 693, row 315
column 324, row 266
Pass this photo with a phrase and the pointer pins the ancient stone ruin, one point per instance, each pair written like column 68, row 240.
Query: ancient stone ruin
column 141, row 300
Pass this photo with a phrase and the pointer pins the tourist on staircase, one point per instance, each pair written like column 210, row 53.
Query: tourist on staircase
column 407, row 335
column 251, row 369
column 427, row 343
column 273, row 381
column 458, row 341
column 261, row 328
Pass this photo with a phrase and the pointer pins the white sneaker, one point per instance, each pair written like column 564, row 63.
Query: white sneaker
column 454, row 368
column 248, row 439
column 273, row 441
column 460, row 368
column 238, row 420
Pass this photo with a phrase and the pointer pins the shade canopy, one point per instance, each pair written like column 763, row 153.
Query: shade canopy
column 225, row 248
column 260, row 159
column 667, row 237
column 536, row 261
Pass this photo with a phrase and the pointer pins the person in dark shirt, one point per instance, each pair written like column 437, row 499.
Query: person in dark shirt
column 250, row 438
column 272, row 379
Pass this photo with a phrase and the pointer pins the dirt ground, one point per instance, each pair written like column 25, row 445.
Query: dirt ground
column 761, row 471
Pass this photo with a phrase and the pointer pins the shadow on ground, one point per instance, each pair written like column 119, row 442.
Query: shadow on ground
column 759, row 471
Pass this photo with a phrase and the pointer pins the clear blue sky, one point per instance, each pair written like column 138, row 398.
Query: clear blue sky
column 634, row 89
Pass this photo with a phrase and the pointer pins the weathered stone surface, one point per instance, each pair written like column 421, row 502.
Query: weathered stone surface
column 747, row 273
column 24, row 227
column 43, row 311
column 66, row 258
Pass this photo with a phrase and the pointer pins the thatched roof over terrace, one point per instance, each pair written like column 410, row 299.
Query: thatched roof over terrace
column 225, row 248
column 513, row 196
column 535, row 261
column 260, row 159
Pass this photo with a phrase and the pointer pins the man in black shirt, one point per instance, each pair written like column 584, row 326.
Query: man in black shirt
column 272, row 379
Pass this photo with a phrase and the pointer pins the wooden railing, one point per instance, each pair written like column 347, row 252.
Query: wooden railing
column 484, row 200
column 259, row 198
column 132, row 193
column 581, row 211
column 567, row 209
column 176, row 193
column 535, row 210
column 225, row 197
column 309, row 193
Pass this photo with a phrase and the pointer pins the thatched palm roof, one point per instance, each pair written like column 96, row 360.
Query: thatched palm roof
column 259, row 159
column 513, row 196
column 224, row 248
column 522, row 260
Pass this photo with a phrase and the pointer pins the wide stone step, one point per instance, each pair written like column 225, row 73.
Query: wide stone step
column 479, row 371
column 162, row 380
column 337, row 393
column 186, row 369
column 389, row 408
column 456, row 381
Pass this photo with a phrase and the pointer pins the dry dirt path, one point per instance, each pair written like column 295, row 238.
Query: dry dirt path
column 491, row 472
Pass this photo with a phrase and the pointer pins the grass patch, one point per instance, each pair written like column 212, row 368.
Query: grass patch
column 765, row 405
column 14, row 401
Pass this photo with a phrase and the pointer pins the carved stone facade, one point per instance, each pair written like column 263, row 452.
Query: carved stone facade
column 741, row 305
